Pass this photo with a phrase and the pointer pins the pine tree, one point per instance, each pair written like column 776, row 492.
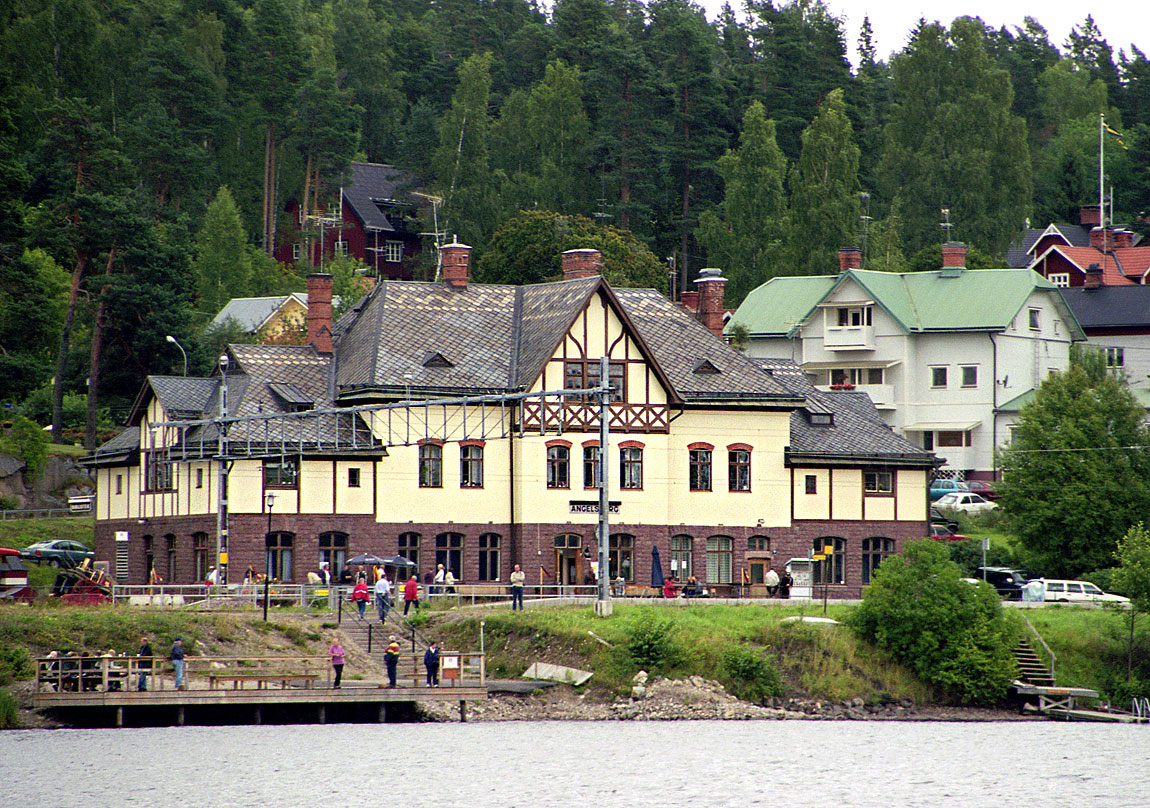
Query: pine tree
column 824, row 203
column 745, row 236
column 220, row 263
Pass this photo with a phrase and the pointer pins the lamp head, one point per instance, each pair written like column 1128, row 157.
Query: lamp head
column 224, row 362
column 271, row 499
column 171, row 339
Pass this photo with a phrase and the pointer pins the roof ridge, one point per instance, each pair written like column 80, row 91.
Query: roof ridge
column 516, row 336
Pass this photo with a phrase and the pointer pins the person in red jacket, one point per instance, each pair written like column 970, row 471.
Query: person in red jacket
column 360, row 595
column 411, row 594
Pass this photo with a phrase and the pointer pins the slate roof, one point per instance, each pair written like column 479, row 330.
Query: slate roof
column 1109, row 306
column 971, row 300
column 374, row 188
column 498, row 338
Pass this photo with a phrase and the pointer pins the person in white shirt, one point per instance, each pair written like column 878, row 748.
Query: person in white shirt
column 771, row 579
column 383, row 597
column 440, row 577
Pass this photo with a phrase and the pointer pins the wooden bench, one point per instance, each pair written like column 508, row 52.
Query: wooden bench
column 485, row 590
column 262, row 680
column 632, row 591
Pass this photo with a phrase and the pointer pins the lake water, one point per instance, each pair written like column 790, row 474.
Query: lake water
column 519, row 764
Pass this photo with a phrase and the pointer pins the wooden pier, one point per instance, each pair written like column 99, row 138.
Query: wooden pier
column 1061, row 703
column 283, row 690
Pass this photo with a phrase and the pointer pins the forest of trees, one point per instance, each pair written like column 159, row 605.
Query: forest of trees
column 147, row 149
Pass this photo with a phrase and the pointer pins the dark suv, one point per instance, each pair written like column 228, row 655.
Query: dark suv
column 1008, row 582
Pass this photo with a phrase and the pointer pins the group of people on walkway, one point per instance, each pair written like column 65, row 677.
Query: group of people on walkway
column 390, row 660
column 90, row 671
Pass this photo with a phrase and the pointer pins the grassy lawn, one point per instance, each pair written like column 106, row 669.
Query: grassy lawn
column 1090, row 645
column 67, row 450
column 17, row 533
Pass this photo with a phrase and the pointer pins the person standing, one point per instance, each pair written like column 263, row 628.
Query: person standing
column 338, row 657
column 411, row 594
column 431, row 663
column 785, row 584
column 518, row 576
column 145, row 663
column 177, row 658
column 438, row 581
column 383, row 597
column 360, row 595
column 391, row 657
column 771, row 579
column 449, row 582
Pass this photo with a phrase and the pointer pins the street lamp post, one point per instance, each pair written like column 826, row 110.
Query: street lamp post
column 271, row 498
column 222, row 484
column 172, row 340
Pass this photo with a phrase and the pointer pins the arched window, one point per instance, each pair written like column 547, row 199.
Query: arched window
column 200, row 555
column 409, row 548
column 489, row 556
column 874, row 550
column 149, row 558
column 449, row 553
column 621, row 556
column 430, row 466
column 280, row 546
column 681, row 556
column 333, row 550
column 558, row 467
column 719, row 559
column 170, row 541
column 833, row 569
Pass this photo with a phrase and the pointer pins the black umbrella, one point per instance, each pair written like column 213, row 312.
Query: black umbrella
column 367, row 558
column 397, row 561
column 656, row 568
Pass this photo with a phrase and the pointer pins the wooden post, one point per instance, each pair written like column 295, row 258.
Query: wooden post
column 462, row 711
column 383, row 712
column 258, row 718
column 119, row 717
column 180, row 716
column 322, row 714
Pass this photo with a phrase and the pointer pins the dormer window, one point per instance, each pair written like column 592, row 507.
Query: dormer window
column 821, row 418
column 434, row 359
column 706, row 368
column 291, row 397
column 854, row 317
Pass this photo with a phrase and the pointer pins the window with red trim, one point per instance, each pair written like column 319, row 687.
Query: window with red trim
column 430, row 466
column 558, row 466
column 739, row 469
column 630, row 467
column 471, row 465
column 700, row 469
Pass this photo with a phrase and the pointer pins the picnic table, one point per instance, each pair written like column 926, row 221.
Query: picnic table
column 262, row 680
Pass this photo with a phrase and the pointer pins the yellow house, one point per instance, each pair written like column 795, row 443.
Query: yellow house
column 716, row 465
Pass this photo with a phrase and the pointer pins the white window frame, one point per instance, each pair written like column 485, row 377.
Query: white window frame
column 296, row 251
column 1115, row 357
column 393, row 251
column 340, row 247
column 934, row 370
column 973, row 370
column 1059, row 279
column 1035, row 319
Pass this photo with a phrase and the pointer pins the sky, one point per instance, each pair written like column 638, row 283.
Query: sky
column 1120, row 22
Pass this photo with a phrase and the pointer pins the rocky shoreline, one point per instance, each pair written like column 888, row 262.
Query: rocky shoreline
column 695, row 699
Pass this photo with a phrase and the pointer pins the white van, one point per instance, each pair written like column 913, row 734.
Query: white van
column 1061, row 591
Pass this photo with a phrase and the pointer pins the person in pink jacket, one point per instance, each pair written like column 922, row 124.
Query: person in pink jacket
column 338, row 656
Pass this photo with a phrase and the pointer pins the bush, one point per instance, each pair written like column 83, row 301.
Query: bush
column 28, row 442
column 748, row 674
column 952, row 633
column 14, row 664
column 9, row 719
column 650, row 643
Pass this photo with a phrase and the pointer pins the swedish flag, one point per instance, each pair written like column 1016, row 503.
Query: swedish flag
column 1117, row 135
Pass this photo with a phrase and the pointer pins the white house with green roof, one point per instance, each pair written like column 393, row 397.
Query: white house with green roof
column 940, row 353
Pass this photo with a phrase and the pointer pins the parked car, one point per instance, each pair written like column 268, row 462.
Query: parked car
column 965, row 502
column 941, row 487
column 937, row 517
column 1062, row 591
column 1008, row 582
column 983, row 489
column 945, row 533
column 57, row 553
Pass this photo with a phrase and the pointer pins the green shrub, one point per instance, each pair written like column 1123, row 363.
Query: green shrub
column 748, row 674
column 8, row 503
column 651, row 644
column 9, row 718
column 14, row 664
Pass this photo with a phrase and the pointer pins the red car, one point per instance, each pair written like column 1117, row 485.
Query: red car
column 945, row 533
column 983, row 489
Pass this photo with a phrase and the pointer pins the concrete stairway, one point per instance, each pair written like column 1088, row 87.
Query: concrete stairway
column 371, row 637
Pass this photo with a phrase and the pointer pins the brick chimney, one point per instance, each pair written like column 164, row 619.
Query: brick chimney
column 456, row 265
column 581, row 264
column 850, row 258
column 1093, row 277
column 711, row 285
column 1088, row 216
column 954, row 255
column 1122, row 237
column 690, row 302
column 1098, row 239
column 319, row 312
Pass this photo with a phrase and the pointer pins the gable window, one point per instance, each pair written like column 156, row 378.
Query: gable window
column 878, row 482
column 738, row 467
column 393, row 251
column 621, row 556
column 874, row 550
column 159, row 477
column 1035, row 322
column 970, row 375
column 333, row 550
column 700, row 469
column 281, row 473
column 1060, row 279
column 719, row 559
column 830, row 571
column 938, row 376
column 1115, row 358
column 449, row 553
column 279, row 555
column 591, row 465
column 631, row 466
column 489, row 557
column 681, row 556
column 409, row 547
column 471, row 465
column 811, row 484
column 584, row 375
column 430, row 465
column 558, row 466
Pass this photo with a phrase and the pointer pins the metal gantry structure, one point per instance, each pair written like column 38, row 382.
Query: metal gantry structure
column 372, row 428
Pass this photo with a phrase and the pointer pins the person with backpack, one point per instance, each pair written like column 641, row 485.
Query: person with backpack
column 391, row 659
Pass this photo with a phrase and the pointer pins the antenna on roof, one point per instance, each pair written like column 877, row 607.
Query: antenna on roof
column 435, row 201
column 945, row 223
column 866, row 220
